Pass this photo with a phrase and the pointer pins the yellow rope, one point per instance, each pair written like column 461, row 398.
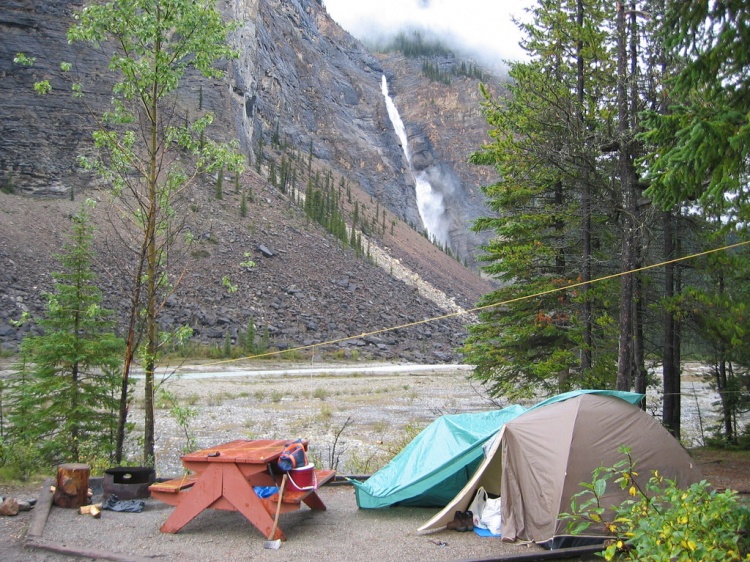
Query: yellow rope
column 478, row 308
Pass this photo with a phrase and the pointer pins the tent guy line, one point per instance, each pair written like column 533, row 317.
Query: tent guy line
column 484, row 307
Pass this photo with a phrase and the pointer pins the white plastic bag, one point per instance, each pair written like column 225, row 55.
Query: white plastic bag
column 477, row 506
column 486, row 512
column 492, row 516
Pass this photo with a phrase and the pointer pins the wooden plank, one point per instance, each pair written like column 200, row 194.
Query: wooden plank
column 87, row 553
column 174, row 485
column 41, row 511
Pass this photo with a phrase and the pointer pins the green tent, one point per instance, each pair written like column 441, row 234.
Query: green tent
column 437, row 464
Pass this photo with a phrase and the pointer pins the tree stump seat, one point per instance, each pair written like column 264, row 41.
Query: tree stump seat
column 72, row 488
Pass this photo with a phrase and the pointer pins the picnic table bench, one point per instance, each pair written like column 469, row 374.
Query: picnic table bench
column 169, row 491
column 223, row 477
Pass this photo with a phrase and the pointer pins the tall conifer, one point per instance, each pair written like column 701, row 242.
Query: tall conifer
column 63, row 397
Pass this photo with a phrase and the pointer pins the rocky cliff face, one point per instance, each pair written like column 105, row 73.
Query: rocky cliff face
column 307, row 77
column 300, row 75
column 40, row 137
column 321, row 87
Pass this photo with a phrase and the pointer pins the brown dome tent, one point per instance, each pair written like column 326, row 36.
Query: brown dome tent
column 539, row 459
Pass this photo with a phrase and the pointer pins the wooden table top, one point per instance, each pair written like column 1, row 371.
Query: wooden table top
column 241, row 451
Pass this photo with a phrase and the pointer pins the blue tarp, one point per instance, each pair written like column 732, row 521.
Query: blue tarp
column 437, row 463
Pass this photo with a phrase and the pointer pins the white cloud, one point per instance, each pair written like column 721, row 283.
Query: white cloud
column 484, row 26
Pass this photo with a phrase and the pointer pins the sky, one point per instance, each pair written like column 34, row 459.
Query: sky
column 479, row 25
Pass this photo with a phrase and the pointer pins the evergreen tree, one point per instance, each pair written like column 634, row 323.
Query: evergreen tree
column 64, row 394
column 701, row 145
column 250, row 344
column 219, row 192
column 309, row 159
column 717, row 310
column 272, row 173
column 243, row 204
column 275, row 138
column 698, row 142
column 544, row 146
column 259, row 154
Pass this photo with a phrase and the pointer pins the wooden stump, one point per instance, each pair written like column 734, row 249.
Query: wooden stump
column 72, row 485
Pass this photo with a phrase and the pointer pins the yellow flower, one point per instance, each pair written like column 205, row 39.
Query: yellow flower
column 632, row 491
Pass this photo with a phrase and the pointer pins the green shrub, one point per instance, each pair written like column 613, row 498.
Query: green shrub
column 326, row 412
column 662, row 521
column 320, row 393
column 20, row 462
column 8, row 186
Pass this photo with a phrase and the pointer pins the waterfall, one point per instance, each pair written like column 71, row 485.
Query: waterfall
column 396, row 121
column 429, row 202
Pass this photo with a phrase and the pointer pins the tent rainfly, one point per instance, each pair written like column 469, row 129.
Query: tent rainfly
column 436, row 464
column 538, row 460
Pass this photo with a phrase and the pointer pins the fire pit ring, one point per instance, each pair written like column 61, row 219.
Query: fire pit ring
column 128, row 482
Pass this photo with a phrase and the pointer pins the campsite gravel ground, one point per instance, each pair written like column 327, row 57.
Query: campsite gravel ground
column 341, row 533
column 352, row 419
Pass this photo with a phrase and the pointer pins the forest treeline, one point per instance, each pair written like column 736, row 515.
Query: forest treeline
column 622, row 143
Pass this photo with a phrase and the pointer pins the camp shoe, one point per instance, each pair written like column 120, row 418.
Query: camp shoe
column 468, row 521
column 457, row 523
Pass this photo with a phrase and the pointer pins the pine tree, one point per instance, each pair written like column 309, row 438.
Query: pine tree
column 701, row 146
column 698, row 141
column 272, row 174
column 259, row 154
column 243, row 204
column 545, row 148
column 63, row 396
column 250, row 345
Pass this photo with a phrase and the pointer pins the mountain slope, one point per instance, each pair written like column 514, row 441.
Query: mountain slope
column 300, row 74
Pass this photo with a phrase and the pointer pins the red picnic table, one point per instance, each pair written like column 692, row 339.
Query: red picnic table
column 223, row 478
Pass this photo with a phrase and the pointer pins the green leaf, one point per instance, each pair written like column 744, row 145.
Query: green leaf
column 600, row 487
column 43, row 87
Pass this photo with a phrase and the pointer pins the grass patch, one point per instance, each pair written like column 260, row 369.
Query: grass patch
column 320, row 393
column 326, row 412
column 218, row 399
